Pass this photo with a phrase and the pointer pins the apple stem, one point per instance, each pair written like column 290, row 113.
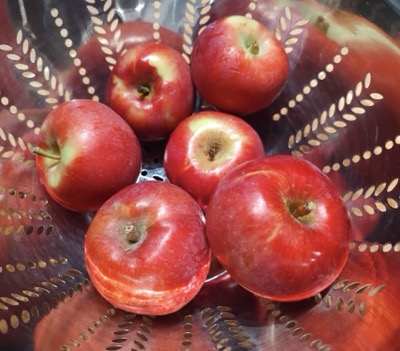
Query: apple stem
column 132, row 234
column 143, row 90
column 322, row 24
column 38, row 151
column 299, row 209
column 212, row 153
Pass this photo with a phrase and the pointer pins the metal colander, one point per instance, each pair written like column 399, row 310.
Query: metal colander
column 339, row 110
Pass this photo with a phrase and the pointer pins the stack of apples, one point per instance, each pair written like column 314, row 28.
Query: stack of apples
column 275, row 223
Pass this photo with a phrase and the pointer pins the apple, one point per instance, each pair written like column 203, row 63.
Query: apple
column 151, row 88
column 238, row 66
column 98, row 64
column 85, row 153
column 153, row 234
column 279, row 227
column 204, row 147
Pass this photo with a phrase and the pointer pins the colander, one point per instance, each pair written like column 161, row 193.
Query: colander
column 339, row 109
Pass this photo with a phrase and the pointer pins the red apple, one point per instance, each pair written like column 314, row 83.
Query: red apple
column 86, row 152
column 98, row 53
column 238, row 65
column 153, row 235
column 151, row 88
column 279, row 227
column 204, row 147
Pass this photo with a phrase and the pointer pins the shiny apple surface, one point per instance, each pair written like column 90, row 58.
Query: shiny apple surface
column 339, row 110
column 153, row 235
column 279, row 227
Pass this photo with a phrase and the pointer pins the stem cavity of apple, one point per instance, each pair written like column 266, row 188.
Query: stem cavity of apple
column 212, row 151
column 301, row 209
column 134, row 234
column 253, row 47
column 143, row 90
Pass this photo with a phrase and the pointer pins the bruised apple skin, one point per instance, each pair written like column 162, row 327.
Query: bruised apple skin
column 238, row 66
column 151, row 88
column 85, row 153
column 204, row 147
column 146, row 250
column 279, row 227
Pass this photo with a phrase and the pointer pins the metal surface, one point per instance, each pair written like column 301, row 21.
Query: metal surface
column 339, row 109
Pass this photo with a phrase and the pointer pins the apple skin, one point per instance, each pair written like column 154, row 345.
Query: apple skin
column 152, row 234
column 151, row 88
column 279, row 227
column 238, row 66
column 98, row 152
column 204, row 147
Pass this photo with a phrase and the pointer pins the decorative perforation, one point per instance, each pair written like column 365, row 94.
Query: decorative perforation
column 26, row 212
column 28, row 220
column 354, row 288
column 380, row 205
column 13, row 143
column 156, row 22
column 223, row 328
column 20, row 214
column 27, row 229
column 252, row 6
column 142, row 333
column 297, row 331
column 333, row 119
column 366, row 155
column 55, row 86
column 196, row 14
column 132, row 324
column 375, row 247
column 69, row 46
column 312, row 84
column 97, row 324
column 22, row 194
column 49, row 289
column 284, row 27
column 31, row 60
column 8, row 137
column 16, row 267
column 187, row 331
column 112, row 21
column 5, row 103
